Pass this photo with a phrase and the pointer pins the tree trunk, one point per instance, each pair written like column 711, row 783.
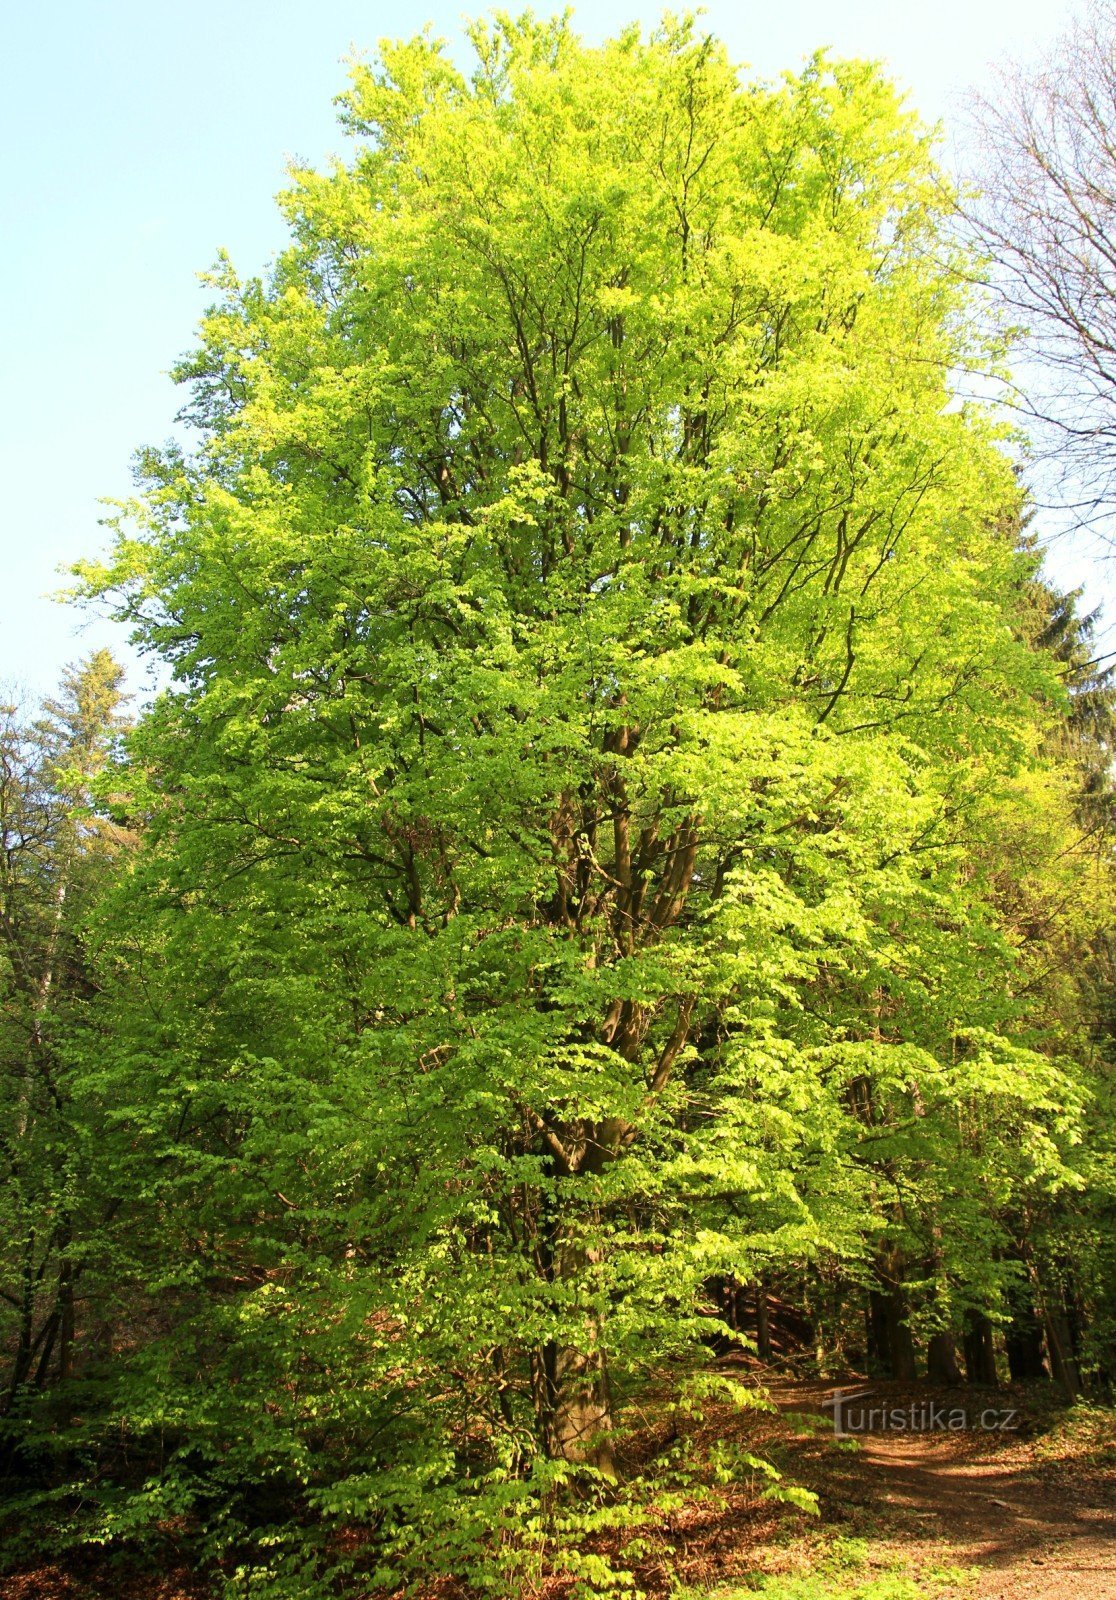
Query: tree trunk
column 25, row 1347
column 580, row 1427
column 891, row 1342
column 763, row 1323
column 980, row 1352
column 732, row 1304
column 1063, row 1356
column 66, row 1317
column 1060, row 1323
column 891, row 1330
column 903, row 1363
column 941, row 1359
column 572, row 1400
column 1023, row 1337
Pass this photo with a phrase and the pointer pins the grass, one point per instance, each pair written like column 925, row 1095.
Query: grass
column 843, row 1574
column 1085, row 1434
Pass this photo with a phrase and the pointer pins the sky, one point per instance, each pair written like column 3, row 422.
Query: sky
column 144, row 135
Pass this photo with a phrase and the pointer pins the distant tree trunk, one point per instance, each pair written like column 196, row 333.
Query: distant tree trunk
column 828, row 1344
column 890, row 1330
column 903, row 1363
column 941, row 1359
column 763, row 1322
column 732, row 1304
column 941, row 1349
column 1023, row 1337
column 890, row 1341
column 25, row 1348
column 980, row 1351
column 66, row 1315
column 1064, row 1368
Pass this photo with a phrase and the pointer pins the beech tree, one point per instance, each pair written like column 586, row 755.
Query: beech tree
column 593, row 679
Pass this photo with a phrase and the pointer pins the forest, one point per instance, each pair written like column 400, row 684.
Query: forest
column 611, row 906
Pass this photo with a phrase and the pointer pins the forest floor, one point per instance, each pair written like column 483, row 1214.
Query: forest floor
column 972, row 1513
column 964, row 1514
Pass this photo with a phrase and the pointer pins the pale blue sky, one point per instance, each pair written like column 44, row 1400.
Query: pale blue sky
column 142, row 135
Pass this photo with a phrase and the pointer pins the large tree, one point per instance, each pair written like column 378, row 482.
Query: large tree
column 590, row 627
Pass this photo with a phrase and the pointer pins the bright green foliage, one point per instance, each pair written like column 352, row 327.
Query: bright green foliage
column 568, row 835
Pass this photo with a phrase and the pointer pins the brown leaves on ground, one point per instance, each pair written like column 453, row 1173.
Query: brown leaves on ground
column 82, row 1579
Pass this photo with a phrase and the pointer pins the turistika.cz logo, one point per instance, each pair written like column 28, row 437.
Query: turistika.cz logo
column 852, row 1416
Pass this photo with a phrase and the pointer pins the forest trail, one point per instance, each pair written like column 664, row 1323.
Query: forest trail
column 1032, row 1539
column 1031, row 1519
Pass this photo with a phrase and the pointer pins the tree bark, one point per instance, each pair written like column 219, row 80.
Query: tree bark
column 572, row 1398
column 980, row 1352
column 580, row 1427
column 763, row 1323
column 891, row 1333
column 891, row 1343
column 1064, row 1368
column 941, row 1359
column 1023, row 1337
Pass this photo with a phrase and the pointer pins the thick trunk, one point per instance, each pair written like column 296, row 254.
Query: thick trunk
column 903, row 1363
column 571, row 1389
column 891, row 1335
column 580, row 1426
column 1025, row 1351
column 941, row 1348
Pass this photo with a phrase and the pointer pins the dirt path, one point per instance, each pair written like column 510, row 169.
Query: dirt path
column 1037, row 1518
column 1033, row 1538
